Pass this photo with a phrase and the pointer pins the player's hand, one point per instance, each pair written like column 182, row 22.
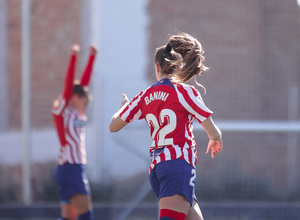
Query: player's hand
column 125, row 101
column 93, row 49
column 75, row 49
column 215, row 147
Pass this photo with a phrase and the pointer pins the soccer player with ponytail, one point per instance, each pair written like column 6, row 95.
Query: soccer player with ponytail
column 169, row 108
column 69, row 119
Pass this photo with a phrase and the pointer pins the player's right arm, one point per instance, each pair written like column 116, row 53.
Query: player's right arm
column 60, row 104
column 116, row 122
column 69, row 79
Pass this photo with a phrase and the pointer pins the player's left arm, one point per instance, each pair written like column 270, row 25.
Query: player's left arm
column 215, row 144
column 87, row 73
column 116, row 122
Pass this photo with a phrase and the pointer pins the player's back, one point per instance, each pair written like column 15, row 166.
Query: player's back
column 167, row 118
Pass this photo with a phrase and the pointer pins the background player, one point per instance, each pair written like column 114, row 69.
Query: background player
column 69, row 118
column 169, row 107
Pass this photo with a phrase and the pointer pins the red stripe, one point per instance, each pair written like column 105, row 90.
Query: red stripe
column 154, row 162
column 172, row 214
column 124, row 110
column 172, row 152
column 162, row 157
column 135, row 109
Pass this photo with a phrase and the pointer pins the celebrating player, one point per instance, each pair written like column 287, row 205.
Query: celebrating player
column 169, row 107
column 69, row 118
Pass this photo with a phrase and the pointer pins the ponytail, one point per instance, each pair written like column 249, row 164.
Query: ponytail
column 182, row 56
column 192, row 56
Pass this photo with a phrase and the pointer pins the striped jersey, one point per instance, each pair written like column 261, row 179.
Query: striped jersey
column 69, row 124
column 73, row 126
column 169, row 109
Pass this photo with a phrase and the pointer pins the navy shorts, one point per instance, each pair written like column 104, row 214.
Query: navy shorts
column 174, row 177
column 71, row 179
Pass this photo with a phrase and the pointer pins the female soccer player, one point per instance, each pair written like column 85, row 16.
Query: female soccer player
column 169, row 107
column 69, row 118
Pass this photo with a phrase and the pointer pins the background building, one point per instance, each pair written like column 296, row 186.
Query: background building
column 252, row 49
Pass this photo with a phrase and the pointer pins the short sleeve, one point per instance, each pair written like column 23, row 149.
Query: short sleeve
column 192, row 101
column 133, row 110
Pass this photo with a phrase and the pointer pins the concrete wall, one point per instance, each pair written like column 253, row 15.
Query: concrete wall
column 4, row 96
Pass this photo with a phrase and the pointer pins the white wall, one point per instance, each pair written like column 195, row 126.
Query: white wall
column 119, row 28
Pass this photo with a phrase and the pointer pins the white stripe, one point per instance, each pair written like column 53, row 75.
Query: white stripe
column 187, row 106
column 137, row 115
column 167, row 154
column 68, row 154
column 185, row 152
column 132, row 106
column 196, row 99
column 157, row 159
column 178, row 151
column 193, row 156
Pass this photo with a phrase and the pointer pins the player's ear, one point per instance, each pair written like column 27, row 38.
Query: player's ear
column 157, row 67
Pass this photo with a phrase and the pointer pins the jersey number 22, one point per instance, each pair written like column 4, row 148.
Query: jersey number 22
column 162, row 126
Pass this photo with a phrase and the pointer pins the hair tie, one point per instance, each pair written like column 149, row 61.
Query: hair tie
column 168, row 48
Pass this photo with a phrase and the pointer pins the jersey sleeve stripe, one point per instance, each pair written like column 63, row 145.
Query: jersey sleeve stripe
column 192, row 104
column 132, row 110
column 198, row 102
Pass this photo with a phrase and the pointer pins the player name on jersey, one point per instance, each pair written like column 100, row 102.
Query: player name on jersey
column 156, row 96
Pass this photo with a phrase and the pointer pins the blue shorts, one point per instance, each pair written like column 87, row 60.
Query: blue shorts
column 174, row 177
column 71, row 179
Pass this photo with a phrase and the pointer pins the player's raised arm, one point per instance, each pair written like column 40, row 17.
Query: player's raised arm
column 86, row 75
column 58, row 106
column 215, row 144
column 69, row 79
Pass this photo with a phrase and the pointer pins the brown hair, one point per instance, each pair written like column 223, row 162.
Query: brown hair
column 81, row 91
column 183, row 55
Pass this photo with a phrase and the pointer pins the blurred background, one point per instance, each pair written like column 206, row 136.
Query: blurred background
column 253, row 87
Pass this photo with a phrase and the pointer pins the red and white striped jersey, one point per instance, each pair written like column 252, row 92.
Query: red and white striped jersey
column 69, row 124
column 169, row 109
column 73, row 125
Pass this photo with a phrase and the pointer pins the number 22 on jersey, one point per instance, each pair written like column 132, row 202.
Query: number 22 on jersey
column 162, row 126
